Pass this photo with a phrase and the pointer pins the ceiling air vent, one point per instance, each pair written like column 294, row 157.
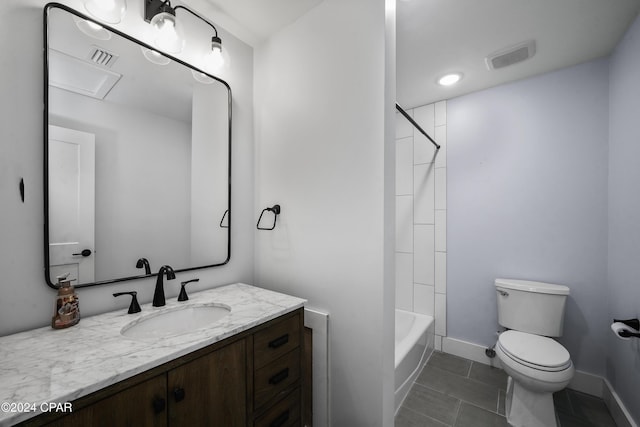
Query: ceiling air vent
column 102, row 57
column 511, row 55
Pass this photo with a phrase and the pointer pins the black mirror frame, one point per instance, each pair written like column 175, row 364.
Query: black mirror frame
column 47, row 8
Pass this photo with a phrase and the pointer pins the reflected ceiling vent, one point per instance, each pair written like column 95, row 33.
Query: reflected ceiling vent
column 511, row 55
column 102, row 57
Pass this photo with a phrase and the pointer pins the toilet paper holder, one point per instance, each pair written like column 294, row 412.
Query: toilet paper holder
column 632, row 323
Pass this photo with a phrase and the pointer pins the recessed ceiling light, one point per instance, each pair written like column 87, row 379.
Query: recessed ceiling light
column 449, row 79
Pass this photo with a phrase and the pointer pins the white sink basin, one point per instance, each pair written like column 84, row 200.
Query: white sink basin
column 175, row 322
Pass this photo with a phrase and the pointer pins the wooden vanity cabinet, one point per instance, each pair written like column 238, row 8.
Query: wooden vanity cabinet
column 211, row 390
column 129, row 412
column 251, row 379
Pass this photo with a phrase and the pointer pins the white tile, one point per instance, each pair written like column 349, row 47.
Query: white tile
column 424, row 150
column 441, row 272
column 437, row 343
column 425, row 117
column 404, row 281
column 404, row 166
column 404, row 223
column 424, row 194
column 441, row 314
column 424, row 299
column 441, row 231
column 441, row 188
column 403, row 127
column 441, row 113
column 441, row 139
column 424, row 254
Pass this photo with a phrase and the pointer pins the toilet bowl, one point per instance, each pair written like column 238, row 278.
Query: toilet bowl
column 537, row 367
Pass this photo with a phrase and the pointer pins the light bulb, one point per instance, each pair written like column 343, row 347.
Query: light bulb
column 167, row 37
column 214, row 60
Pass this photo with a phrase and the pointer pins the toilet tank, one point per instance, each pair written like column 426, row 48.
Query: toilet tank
column 533, row 307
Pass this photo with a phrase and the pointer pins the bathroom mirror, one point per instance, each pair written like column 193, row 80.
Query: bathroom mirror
column 137, row 156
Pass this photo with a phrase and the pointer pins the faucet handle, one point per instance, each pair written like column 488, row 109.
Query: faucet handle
column 134, row 307
column 183, row 293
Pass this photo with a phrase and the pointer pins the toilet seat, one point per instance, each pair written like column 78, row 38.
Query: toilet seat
column 534, row 351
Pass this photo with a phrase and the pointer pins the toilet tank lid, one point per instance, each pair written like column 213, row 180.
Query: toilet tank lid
column 530, row 286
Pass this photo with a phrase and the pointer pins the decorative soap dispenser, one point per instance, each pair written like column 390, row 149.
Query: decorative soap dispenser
column 67, row 311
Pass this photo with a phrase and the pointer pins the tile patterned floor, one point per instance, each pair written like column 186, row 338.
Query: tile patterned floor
column 456, row 392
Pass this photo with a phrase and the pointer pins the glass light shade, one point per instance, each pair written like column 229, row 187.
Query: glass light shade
column 110, row 11
column 154, row 56
column 92, row 29
column 168, row 37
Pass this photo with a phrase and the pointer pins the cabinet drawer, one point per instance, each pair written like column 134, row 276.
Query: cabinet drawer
column 276, row 377
column 275, row 341
column 285, row 413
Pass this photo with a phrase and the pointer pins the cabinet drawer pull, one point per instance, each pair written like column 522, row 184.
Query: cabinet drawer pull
column 282, row 418
column 158, row 405
column 278, row 342
column 178, row 394
column 280, row 376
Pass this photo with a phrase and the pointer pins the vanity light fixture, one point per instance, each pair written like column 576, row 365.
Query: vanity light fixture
column 449, row 79
column 109, row 11
column 163, row 17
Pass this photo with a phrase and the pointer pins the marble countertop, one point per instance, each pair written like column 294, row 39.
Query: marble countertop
column 46, row 365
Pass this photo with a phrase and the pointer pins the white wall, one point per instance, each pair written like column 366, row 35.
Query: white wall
column 622, row 357
column 209, row 164
column 421, row 203
column 320, row 153
column 527, row 199
column 29, row 302
column 126, row 178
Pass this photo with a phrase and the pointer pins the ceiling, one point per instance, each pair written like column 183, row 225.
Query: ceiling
column 435, row 37
column 439, row 36
column 253, row 21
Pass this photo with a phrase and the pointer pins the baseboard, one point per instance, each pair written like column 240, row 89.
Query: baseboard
column 468, row 350
column 584, row 382
column 619, row 412
column 587, row 383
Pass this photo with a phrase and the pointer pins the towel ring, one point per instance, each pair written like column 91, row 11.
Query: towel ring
column 276, row 211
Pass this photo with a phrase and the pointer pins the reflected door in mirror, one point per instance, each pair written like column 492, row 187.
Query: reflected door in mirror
column 71, row 203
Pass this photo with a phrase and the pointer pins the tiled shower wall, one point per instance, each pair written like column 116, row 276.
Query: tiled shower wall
column 421, row 203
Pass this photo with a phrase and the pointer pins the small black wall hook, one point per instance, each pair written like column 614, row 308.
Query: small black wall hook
column 632, row 323
column 276, row 211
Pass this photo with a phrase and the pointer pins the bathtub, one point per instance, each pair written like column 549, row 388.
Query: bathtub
column 413, row 346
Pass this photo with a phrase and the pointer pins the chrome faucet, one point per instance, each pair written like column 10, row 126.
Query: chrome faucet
column 158, row 295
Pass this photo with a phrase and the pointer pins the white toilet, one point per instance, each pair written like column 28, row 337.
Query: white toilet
column 537, row 365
